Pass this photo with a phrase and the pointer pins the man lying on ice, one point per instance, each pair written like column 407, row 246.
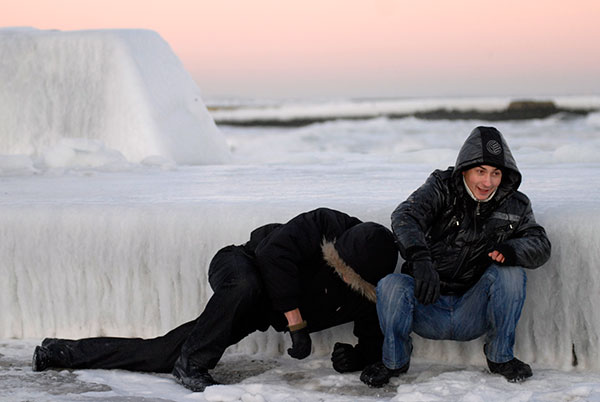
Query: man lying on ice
column 316, row 271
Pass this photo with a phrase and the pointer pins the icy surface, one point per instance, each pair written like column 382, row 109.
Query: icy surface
column 114, row 238
column 265, row 378
column 120, row 89
column 80, row 244
column 77, row 248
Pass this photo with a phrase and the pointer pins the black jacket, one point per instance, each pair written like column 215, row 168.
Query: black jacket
column 326, row 263
column 442, row 222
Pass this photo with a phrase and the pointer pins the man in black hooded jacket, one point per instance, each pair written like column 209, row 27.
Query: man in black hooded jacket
column 466, row 235
column 317, row 271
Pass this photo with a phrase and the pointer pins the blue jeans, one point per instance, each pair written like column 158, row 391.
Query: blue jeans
column 492, row 307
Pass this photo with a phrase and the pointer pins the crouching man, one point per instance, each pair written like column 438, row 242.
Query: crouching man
column 317, row 271
column 466, row 235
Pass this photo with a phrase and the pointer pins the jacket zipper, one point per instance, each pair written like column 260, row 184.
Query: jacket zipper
column 477, row 213
column 466, row 250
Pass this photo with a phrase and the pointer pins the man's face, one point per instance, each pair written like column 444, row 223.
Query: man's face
column 483, row 180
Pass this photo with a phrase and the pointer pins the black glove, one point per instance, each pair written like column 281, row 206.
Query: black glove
column 510, row 257
column 346, row 358
column 427, row 281
column 301, row 343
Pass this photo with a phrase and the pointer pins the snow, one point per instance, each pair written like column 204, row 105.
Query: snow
column 278, row 379
column 123, row 87
column 96, row 239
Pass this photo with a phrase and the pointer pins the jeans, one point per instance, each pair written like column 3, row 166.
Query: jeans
column 492, row 307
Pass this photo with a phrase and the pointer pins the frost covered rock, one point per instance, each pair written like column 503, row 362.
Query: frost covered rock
column 125, row 88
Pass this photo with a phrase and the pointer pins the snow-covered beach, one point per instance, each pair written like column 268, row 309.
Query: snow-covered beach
column 108, row 225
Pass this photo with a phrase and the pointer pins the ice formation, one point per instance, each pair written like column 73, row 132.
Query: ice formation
column 127, row 253
column 89, row 252
column 124, row 89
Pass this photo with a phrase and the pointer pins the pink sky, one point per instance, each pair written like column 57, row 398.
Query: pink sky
column 356, row 48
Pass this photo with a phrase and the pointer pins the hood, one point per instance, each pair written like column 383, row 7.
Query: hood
column 361, row 256
column 487, row 146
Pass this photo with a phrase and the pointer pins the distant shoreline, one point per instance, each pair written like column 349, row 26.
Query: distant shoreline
column 516, row 110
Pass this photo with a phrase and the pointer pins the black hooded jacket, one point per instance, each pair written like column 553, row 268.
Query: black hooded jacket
column 326, row 263
column 440, row 221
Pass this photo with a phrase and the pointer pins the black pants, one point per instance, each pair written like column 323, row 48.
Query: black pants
column 237, row 308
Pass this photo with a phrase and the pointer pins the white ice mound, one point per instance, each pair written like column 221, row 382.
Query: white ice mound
column 124, row 88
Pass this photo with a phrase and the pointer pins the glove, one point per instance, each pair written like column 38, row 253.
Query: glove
column 301, row 343
column 427, row 281
column 346, row 358
column 510, row 257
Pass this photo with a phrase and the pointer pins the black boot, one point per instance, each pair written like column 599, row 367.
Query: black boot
column 49, row 341
column 513, row 370
column 377, row 374
column 192, row 377
column 54, row 353
column 41, row 359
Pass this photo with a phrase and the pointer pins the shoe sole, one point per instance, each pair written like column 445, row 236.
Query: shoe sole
column 36, row 362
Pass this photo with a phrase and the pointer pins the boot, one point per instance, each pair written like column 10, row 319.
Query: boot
column 513, row 370
column 49, row 341
column 41, row 359
column 54, row 353
column 193, row 378
column 377, row 374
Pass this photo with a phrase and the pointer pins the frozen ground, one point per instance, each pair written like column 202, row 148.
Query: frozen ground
column 85, row 243
column 258, row 378
column 106, row 228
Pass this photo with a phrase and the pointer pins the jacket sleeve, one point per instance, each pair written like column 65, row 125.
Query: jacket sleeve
column 292, row 254
column 412, row 218
column 529, row 246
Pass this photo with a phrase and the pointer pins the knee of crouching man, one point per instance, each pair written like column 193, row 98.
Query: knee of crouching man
column 511, row 279
column 395, row 286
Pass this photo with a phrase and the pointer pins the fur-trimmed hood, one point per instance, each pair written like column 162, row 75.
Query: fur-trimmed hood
column 361, row 256
column 348, row 275
column 298, row 271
